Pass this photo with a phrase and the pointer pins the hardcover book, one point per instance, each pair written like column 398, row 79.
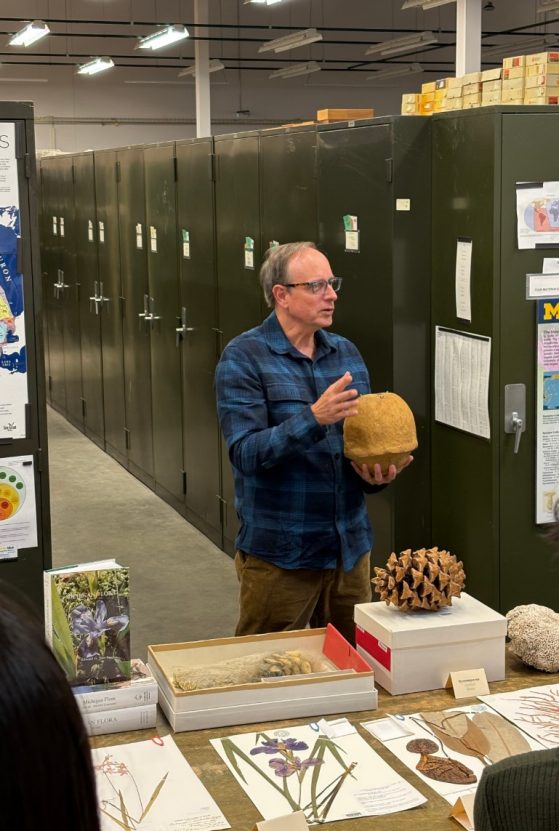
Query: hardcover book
column 120, row 721
column 139, row 691
column 87, row 621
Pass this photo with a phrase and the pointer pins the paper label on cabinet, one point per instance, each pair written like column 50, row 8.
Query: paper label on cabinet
column 352, row 241
column 403, row 204
column 8, row 552
column 89, row 230
column 185, row 244
column 249, row 252
column 61, row 225
column 55, row 226
column 139, row 236
column 153, row 239
column 101, row 231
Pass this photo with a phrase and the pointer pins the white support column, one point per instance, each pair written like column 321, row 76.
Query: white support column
column 468, row 36
column 202, row 59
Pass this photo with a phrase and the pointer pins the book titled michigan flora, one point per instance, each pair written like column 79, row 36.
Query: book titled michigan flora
column 87, row 621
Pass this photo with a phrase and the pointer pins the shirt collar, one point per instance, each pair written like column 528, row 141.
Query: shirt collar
column 278, row 341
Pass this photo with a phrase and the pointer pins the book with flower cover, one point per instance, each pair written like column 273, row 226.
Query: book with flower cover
column 87, row 621
column 140, row 691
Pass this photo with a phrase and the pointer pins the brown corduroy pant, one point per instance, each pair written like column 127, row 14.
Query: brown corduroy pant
column 274, row 599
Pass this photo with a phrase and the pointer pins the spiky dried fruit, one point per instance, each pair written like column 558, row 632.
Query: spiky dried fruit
column 422, row 579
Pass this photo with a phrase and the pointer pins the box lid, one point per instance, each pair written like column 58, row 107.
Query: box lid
column 467, row 619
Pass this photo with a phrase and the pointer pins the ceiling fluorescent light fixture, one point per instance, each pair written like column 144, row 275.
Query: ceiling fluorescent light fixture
column 408, row 43
column 164, row 37
column 213, row 66
column 425, row 4
column 296, row 70
column 262, row 2
column 396, row 72
column 94, row 66
column 293, row 41
column 517, row 47
column 31, row 33
column 547, row 6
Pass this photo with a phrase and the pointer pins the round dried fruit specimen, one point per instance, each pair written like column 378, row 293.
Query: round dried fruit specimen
column 383, row 431
column 423, row 579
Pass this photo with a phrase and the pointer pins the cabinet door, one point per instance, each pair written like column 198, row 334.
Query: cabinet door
column 136, row 329
column 90, row 309
column 198, row 338
column 106, row 191
column 164, row 311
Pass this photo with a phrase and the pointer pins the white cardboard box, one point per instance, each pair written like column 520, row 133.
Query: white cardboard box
column 415, row 651
column 349, row 687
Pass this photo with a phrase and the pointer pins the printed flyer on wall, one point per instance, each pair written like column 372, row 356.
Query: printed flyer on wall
column 547, row 410
column 13, row 359
column 18, row 512
column 537, row 213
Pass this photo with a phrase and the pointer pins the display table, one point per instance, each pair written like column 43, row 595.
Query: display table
column 241, row 813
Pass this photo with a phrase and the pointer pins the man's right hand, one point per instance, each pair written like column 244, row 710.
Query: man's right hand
column 336, row 402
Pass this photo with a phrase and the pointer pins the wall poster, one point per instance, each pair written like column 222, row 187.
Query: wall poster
column 547, row 410
column 13, row 359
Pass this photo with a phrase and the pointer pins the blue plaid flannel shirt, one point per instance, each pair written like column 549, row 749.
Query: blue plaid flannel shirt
column 299, row 501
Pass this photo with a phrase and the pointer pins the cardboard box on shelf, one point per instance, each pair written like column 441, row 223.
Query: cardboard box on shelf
column 549, row 81
column 346, row 686
column 491, row 98
column 513, row 72
column 442, row 83
column 472, row 100
column 471, row 78
column 470, row 89
column 344, row 114
column 512, row 96
column 542, row 69
column 427, row 107
column 415, row 651
column 514, row 60
column 454, row 92
column 492, row 74
column 542, row 57
column 455, row 83
column 541, row 95
column 492, row 86
column 430, row 86
column 411, row 97
column 454, row 103
column 513, row 83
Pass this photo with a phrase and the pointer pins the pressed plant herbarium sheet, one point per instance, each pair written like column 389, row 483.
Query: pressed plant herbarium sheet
column 149, row 786
column 299, row 769
column 534, row 709
column 448, row 749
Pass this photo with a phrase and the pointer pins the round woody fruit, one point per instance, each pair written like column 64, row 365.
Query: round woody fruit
column 383, row 431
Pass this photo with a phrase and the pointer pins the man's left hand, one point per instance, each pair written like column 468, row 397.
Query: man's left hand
column 378, row 478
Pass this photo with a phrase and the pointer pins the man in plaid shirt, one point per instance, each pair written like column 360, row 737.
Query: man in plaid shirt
column 283, row 391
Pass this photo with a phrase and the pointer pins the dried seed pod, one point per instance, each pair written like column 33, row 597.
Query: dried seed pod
column 423, row 579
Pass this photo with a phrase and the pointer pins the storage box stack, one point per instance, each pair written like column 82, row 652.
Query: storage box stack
column 514, row 70
column 427, row 101
column 120, row 706
column 454, row 97
column 491, row 82
column 471, row 90
column 542, row 78
column 440, row 95
column 411, row 103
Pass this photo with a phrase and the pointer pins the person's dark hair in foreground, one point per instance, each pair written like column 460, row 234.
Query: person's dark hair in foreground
column 46, row 773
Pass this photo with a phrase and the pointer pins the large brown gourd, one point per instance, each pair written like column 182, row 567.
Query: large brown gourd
column 383, row 431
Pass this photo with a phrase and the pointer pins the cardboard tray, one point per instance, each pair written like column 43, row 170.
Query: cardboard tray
column 348, row 688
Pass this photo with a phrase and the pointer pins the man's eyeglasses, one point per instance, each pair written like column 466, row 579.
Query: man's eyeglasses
column 318, row 286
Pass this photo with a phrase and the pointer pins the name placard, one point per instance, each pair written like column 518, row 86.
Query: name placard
column 467, row 683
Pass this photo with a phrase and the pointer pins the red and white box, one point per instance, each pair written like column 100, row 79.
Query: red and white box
column 415, row 651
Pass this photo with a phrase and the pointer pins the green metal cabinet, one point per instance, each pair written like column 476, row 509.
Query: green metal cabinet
column 135, row 332
column 198, row 333
column 375, row 177
column 483, row 494
column 26, row 571
column 162, row 320
column 237, row 208
column 110, row 303
column 90, row 298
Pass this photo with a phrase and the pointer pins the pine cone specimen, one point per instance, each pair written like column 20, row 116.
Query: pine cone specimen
column 423, row 579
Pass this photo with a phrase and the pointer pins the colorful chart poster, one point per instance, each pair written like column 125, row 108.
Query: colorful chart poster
column 18, row 515
column 13, row 358
column 300, row 769
column 547, row 410
column 537, row 212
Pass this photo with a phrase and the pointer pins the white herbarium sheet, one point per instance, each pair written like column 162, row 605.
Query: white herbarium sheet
column 535, row 710
column 299, row 769
column 149, row 786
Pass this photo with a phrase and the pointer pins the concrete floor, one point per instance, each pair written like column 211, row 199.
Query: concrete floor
column 182, row 587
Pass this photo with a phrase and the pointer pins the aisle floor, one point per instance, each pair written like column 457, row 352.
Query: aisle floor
column 183, row 588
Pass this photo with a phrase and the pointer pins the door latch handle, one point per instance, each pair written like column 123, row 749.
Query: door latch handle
column 518, row 427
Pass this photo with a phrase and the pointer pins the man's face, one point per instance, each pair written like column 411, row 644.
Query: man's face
column 304, row 308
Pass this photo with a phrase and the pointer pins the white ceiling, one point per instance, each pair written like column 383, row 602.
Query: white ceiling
column 81, row 29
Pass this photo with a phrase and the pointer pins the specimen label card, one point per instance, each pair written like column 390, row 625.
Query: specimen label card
column 467, row 683
column 154, row 781
column 463, row 811
column 289, row 822
column 299, row 769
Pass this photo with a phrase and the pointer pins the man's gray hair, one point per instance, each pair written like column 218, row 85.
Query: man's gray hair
column 276, row 264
